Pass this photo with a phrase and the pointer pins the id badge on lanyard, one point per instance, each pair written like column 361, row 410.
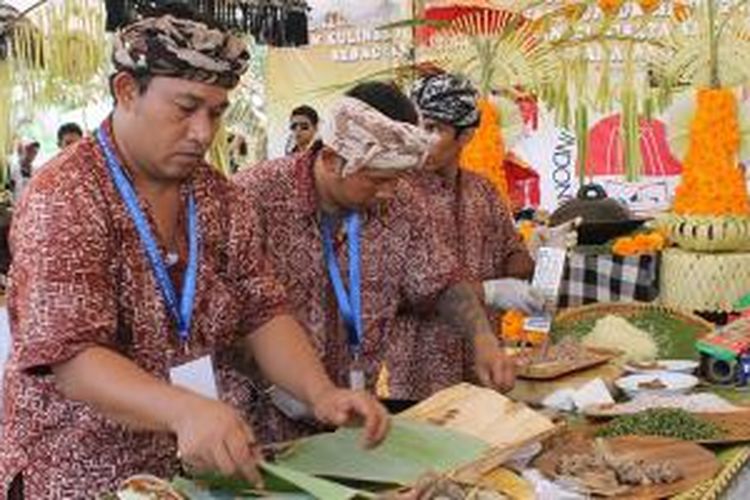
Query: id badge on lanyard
column 198, row 374
column 349, row 301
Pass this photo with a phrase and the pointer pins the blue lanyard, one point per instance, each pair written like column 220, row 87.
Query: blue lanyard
column 182, row 309
column 350, row 304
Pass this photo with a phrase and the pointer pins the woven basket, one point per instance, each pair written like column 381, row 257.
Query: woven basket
column 675, row 339
column 626, row 309
column 703, row 281
column 707, row 234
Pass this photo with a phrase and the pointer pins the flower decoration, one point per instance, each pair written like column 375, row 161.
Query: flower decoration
column 712, row 183
column 485, row 152
column 512, row 331
column 681, row 11
column 643, row 243
column 649, row 6
column 610, row 7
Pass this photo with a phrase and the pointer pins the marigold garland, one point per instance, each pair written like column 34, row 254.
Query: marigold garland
column 485, row 153
column 712, row 183
column 681, row 11
column 643, row 243
column 610, row 7
column 649, row 6
column 512, row 330
column 526, row 229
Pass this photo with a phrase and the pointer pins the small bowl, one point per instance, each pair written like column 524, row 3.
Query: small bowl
column 674, row 383
column 687, row 366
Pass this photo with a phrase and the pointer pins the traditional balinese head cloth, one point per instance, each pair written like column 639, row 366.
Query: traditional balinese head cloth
column 447, row 98
column 365, row 137
column 181, row 48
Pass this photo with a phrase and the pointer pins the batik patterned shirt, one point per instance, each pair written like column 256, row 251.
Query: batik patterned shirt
column 405, row 265
column 79, row 279
column 475, row 223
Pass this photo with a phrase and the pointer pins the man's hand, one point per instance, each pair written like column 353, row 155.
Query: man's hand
column 340, row 407
column 212, row 436
column 494, row 368
column 512, row 294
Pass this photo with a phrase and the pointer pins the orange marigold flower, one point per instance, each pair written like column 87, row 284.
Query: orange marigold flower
column 711, row 182
column 649, row 6
column 610, row 7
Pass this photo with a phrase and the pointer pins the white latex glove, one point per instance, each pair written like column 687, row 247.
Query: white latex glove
column 562, row 236
column 513, row 294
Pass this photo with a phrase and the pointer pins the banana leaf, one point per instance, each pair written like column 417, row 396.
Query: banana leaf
column 281, row 483
column 411, row 450
column 318, row 488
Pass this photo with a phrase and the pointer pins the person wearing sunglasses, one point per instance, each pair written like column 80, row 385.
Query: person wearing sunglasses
column 303, row 125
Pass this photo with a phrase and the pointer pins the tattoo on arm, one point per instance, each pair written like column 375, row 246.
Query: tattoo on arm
column 460, row 307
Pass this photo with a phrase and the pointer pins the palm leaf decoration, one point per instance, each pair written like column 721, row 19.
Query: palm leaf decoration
column 63, row 46
column 689, row 60
column 497, row 50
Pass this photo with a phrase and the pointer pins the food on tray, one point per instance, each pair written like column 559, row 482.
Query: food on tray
column 652, row 384
column 568, row 349
column 568, row 356
column 686, row 366
column 604, row 471
column 674, row 333
column 434, row 487
column 649, row 365
column 614, row 332
column 666, row 422
column 694, row 403
column 661, row 382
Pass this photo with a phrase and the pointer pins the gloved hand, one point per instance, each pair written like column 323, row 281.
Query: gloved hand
column 510, row 293
column 562, row 236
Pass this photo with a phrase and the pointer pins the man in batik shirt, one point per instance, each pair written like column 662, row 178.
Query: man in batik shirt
column 427, row 353
column 306, row 205
column 103, row 239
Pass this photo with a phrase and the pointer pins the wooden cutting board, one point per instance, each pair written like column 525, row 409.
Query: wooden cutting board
column 736, row 424
column 504, row 424
column 696, row 463
column 534, row 391
column 549, row 370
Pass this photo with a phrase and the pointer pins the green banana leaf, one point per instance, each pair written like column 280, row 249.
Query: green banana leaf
column 411, row 450
column 318, row 488
column 281, row 483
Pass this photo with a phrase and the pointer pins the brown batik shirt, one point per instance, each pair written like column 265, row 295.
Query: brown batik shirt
column 404, row 265
column 427, row 354
column 80, row 278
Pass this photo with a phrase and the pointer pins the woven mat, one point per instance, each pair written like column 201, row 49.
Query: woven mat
column 694, row 281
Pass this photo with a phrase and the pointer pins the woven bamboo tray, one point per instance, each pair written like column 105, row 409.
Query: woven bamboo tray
column 676, row 344
column 694, row 281
column 707, row 234
column 627, row 309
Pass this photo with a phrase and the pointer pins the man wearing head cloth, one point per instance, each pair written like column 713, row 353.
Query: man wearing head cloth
column 350, row 253
column 137, row 271
column 476, row 225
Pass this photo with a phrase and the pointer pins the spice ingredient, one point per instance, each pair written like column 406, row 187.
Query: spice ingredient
column 666, row 422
